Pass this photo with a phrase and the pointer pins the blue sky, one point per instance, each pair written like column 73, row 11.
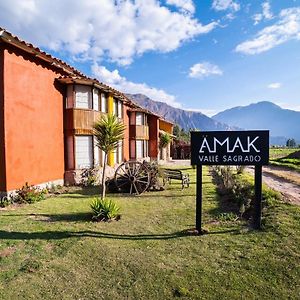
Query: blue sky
column 200, row 55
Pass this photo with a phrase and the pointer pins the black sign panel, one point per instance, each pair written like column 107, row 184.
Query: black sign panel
column 230, row 147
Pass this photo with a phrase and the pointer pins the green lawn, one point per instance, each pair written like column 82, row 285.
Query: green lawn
column 281, row 152
column 278, row 157
column 50, row 250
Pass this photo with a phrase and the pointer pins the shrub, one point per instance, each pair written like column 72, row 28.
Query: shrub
column 89, row 177
column 29, row 194
column 225, row 217
column 105, row 210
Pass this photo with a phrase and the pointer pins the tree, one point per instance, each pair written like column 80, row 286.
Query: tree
column 291, row 143
column 176, row 131
column 108, row 131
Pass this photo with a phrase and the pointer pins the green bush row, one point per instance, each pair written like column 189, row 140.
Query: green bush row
column 239, row 189
column 27, row 194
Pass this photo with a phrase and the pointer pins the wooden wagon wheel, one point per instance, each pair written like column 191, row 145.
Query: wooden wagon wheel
column 132, row 177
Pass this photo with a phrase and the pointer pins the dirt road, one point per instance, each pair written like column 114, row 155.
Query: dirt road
column 285, row 181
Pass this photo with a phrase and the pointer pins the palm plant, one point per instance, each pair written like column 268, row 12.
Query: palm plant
column 109, row 131
column 165, row 140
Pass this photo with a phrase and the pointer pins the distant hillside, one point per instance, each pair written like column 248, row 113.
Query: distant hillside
column 282, row 123
column 185, row 119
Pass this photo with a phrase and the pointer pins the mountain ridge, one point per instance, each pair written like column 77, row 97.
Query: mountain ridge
column 282, row 123
column 184, row 118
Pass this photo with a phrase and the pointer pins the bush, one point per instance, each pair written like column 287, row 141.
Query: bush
column 240, row 190
column 89, row 177
column 105, row 210
column 29, row 194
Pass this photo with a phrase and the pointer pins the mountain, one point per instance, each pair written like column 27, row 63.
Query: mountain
column 185, row 119
column 282, row 123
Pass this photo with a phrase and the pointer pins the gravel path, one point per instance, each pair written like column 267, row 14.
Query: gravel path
column 285, row 181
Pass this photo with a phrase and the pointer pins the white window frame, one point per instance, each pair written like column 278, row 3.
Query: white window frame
column 82, row 161
column 139, row 149
column 120, row 109
column 96, row 98
column 103, row 103
column 139, row 118
column 83, row 97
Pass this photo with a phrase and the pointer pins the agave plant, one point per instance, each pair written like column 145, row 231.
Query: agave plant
column 165, row 140
column 105, row 210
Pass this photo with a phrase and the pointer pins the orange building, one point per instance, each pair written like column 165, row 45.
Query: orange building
column 47, row 112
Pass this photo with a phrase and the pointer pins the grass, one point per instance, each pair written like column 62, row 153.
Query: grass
column 278, row 157
column 50, row 250
column 281, row 152
column 290, row 163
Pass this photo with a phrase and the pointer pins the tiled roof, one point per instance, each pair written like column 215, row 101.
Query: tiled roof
column 73, row 74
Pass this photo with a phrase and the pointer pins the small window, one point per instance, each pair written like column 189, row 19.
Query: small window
column 96, row 100
column 115, row 107
column 84, row 152
column 103, row 103
column 120, row 109
column 120, row 152
column 139, row 149
column 96, row 153
column 83, row 97
column 139, row 118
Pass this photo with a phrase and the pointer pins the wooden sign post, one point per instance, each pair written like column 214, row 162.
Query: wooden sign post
column 231, row 148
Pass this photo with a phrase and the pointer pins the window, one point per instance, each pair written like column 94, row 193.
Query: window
column 83, row 97
column 139, row 118
column 96, row 153
column 115, row 107
column 120, row 109
column 139, row 149
column 103, row 103
column 96, row 100
column 120, row 152
column 84, row 152
column 102, row 157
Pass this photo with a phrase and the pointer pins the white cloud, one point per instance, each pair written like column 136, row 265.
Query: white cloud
column 96, row 30
column 113, row 78
column 285, row 29
column 274, row 85
column 266, row 13
column 225, row 5
column 184, row 5
column 204, row 69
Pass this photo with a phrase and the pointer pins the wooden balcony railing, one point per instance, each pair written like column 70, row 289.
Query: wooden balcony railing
column 139, row 132
column 81, row 121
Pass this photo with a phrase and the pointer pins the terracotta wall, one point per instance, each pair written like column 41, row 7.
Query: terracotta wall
column 153, row 122
column 33, row 122
column 2, row 148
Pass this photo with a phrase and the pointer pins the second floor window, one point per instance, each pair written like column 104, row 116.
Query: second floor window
column 83, row 97
column 103, row 103
column 140, row 119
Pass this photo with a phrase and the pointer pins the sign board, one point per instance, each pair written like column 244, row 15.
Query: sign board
column 230, row 147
